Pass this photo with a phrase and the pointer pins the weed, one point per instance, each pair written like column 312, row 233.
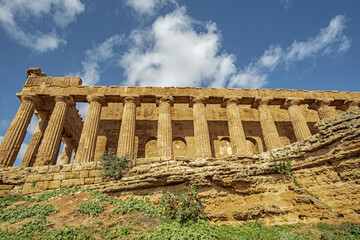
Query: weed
column 136, row 178
column 183, row 208
column 6, row 201
column 33, row 226
column 282, row 165
column 33, row 183
column 19, row 213
column 114, row 165
column 134, row 205
column 50, row 194
column 90, row 208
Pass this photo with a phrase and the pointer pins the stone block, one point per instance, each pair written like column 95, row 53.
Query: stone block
column 98, row 179
column 89, row 180
column 43, row 169
column 54, row 184
column 77, row 167
column 55, row 169
column 6, row 187
column 84, row 174
column 66, row 168
column 72, row 175
column 39, row 187
column 40, row 177
column 59, row 176
column 95, row 173
column 4, row 193
column 70, row 183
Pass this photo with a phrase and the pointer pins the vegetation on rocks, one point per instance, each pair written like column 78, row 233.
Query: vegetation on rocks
column 176, row 217
column 114, row 165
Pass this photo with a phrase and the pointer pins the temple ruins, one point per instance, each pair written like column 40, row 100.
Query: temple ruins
column 162, row 122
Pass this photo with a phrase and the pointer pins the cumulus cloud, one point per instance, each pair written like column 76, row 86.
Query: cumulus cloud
column 83, row 108
column 180, row 51
column 329, row 40
column 147, row 7
column 16, row 15
column 93, row 57
column 173, row 53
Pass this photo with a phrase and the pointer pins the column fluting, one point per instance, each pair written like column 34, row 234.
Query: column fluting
column 127, row 130
column 201, row 129
column 86, row 148
column 66, row 151
column 236, row 129
column 14, row 137
column 267, row 123
column 323, row 109
column 164, row 134
column 297, row 119
column 49, row 147
column 30, row 154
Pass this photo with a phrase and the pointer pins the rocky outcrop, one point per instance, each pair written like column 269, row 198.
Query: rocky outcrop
column 324, row 183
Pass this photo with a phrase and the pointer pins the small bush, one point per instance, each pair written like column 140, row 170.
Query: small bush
column 183, row 208
column 282, row 165
column 114, row 165
column 90, row 208
column 135, row 205
column 6, row 201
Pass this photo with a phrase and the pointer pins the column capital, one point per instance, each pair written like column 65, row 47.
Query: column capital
column 132, row 99
column 261, row 102
column 64, row 98
column 163, row 99
column 97, row 98
column 198, row 99
column 230, row 100
column 291, row 102
column 34, row 98
column 318, row 103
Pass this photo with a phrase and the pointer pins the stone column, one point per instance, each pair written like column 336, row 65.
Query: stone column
column 236, row 130
column 16, row 132
column 30, row 154
column 268, row 127
column 297, row 119
column 201, row 129
column 127, row 130
column 66, row 151
column 49, row 147
column 164, row 134
column 86, row 148
column 322, row 108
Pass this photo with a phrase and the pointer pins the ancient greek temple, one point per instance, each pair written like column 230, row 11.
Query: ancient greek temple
column 167, row 123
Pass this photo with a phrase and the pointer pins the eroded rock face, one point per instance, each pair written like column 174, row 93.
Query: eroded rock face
column 325, row 166
column 323, row 185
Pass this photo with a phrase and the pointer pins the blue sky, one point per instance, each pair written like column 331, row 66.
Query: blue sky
column 290, row 44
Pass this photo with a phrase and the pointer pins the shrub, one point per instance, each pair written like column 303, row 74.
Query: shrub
column 50, row 194
column 114, row 165
column 135, row 205
column 90, row 208
column 282, row 165
column 183, row 208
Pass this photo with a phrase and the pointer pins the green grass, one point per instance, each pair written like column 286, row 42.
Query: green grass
column 134, row 227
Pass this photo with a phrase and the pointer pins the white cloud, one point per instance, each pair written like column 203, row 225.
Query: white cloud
column 22, row 151
column 93, row 57
column 16, row 15
column 4, row 123
column 147, row 6
column 32, row 126
column 1, row 138
column 173, row 53
column 329, row 40
column 83, row 108
column 285, row 3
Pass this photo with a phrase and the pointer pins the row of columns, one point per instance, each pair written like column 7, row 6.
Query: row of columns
column 45, row 143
